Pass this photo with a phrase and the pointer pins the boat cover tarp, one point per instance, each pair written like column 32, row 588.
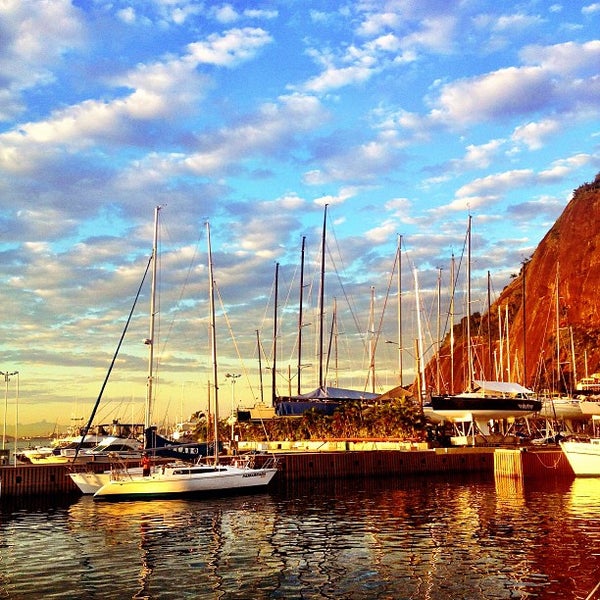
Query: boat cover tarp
column 323, row 400
column 503, row 387
column 331, row 393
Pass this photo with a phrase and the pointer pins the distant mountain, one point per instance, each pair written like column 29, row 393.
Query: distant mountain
column 41, row 429
column 560, row 283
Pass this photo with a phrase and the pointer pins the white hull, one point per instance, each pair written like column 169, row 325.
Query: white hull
column 562, row 409
column 89, row 482
column 584, row 457
column 180, row 480
column 590, row 407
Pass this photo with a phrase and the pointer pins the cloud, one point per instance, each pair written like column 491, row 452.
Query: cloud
column 555, row 78
column 160, row 91
column 591, row 9
column 269, row 130
column 534, row 134
column 231, row 48
column 31, row 43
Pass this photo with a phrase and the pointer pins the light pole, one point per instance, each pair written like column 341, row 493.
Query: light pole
column 7, row 377
column 232, row 419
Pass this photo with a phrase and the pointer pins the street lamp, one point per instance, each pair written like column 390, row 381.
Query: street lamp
column 7, row 377
column 232, row 419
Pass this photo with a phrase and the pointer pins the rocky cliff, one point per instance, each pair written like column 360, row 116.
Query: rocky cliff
column 549, row 313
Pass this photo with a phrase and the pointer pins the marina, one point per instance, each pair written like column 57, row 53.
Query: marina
column 299, row 466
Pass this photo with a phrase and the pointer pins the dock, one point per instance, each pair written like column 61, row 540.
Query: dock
column 302, row 465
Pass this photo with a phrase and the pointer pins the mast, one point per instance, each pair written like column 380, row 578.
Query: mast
column 524, row 307
column 372, row 339
column 213, row 343
column 489, row 326
column 150, row 340
column 438, row 332
column 399, row 291
column 469, row 348
column 419, row 341
column 300, row 313
column 452, row 291
column 557, row 301
column 274, row 370
column 260, row 377
column 322, row 298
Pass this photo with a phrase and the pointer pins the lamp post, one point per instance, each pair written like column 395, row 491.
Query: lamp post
column 232, row 419
column 7, row 377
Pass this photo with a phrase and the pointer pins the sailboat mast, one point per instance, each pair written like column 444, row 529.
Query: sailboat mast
column 469, row 348
column 274, row 369
column 150, row 340
column 438, row 332
column 322, row 298
column 372, row 339
column 399, row 307
column 558, row 370
column 300, row 313
column 213, row 343
column 452, row 292
column 419, row 353
column 489, row 326
column 260, row 377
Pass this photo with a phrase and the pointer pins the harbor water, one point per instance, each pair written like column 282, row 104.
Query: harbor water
column 419, row 538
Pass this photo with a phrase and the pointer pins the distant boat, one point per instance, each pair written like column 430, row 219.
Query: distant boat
column 180, row 479
column 583, row 456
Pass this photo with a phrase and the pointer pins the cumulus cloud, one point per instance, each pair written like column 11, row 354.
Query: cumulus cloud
column 534, row 134
column 31, row 43
column 161, row 90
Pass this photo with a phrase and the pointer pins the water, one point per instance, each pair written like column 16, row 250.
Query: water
column 419, row 538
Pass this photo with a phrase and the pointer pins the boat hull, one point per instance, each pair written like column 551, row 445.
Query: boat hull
column 466, row 408
column 184, row 481
column 89, row 482
column 584, row 457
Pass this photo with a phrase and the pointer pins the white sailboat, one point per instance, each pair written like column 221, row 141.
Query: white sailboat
column 583, row 456
column 181, row 479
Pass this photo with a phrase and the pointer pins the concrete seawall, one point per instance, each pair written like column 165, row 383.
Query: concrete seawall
column 303, row 465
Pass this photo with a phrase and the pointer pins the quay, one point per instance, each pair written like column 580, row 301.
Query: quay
column 309, row 464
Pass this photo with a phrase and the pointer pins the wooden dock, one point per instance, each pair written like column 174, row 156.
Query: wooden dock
column 522, row 463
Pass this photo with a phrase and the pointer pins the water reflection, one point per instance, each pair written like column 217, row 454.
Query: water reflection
column 382, row 538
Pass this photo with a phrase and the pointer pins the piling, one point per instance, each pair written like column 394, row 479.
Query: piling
column 527, row 463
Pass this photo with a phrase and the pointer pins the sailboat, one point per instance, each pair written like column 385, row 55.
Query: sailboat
column 180, row 479
column 483, row 401
column 583, row 456
column 90, row 481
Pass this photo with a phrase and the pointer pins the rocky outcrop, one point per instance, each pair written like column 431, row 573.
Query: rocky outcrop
column 557, row 292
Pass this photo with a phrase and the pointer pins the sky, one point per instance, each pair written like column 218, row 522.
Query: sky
column 403, row 117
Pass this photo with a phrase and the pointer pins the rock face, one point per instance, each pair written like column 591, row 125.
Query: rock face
column 558, row 288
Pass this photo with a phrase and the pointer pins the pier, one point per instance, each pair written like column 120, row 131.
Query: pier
column 303, row 465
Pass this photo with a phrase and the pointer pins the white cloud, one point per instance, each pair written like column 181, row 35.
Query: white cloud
column 231, row 48
column 591, row 9
column 32, row 42
column 533, row 134
column 226, row 14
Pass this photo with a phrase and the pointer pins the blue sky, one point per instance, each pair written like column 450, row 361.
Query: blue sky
column 404, row 117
